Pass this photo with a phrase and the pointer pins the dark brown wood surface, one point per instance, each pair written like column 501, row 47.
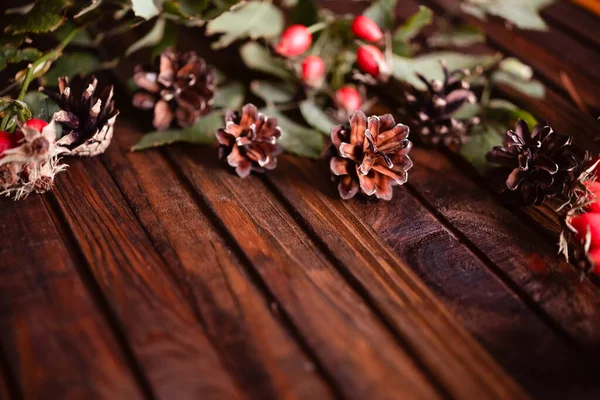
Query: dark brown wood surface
column 160, row 274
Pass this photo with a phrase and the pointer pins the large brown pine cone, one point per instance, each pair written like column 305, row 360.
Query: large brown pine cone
column 87, row 120
column 249, row 141
column 541, row 163
column 372, row 156
column 176, row 86
column 430, row 112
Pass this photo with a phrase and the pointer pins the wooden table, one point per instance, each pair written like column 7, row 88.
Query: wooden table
column 162, row 275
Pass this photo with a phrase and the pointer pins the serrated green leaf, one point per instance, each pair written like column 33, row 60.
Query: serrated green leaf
column 523, row 14
column 295, row 138
column 516, row 68
column 146, row 9
column 152, row 38
column 382, row 12
column 258, row 58
column 461, row 37
column 230, row 96
column 45, row 16
column 202, row 132
column 428, row 65
column 169, row 38
column 273, row 93
column 531, row 88
column 414, row 24
column 11, row 55
column 252, row 20
column 316, row 117
column 75, row 64
column 305, row 13
column 483, row 138
column 193, row 7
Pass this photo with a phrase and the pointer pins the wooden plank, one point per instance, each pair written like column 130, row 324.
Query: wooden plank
column 162, row 329
column 261, row 355
column 53, row 334
column 5, row 391
column 355, row 349
column 478, row 298
column 548, row 63
column 557, row 289
column 568, row 17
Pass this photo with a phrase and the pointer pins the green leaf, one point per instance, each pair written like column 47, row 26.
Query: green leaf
column 146, row 9
column 483, row 138
column 464, row 36
column 169, row 38
column 230, row 96
column 516, row 68
column 152, row 38
column 531, row 88
column 506, row 113
column 45, row 16
column 316, row 117
column 523, row 14
column 82, row 38
column 193, row 7
column 258, row 58
column 11, row 55
column 428, row 65
column 295, row 138
column 75, row 64
column 94, row 4
column 202, row 132
column 305, row 13
column 273, row 93
column 413, row 25
column 41, row 106
column 252, row 20
column 382, row 12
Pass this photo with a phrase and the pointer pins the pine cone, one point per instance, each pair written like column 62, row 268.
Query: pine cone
column 87, row 120
column 430, row 111
column 542, row 162
column 249, row 141
column 373, row 156
column 177, row 86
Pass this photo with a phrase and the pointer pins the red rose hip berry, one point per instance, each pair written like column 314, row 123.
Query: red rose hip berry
column 584, row 223
column 365, row 28
column 313, row 70
column 371, row 61
column 295, row 40
column 36, row 124
column 7, row 141
column 594, row 188
column 348, row 98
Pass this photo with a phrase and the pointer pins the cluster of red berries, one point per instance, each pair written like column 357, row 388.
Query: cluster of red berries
column 297, row 39
column 588, row 223
column 11, row 140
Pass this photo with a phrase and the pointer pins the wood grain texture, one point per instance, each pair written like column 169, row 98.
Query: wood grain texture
column 53, row 335
column 548, row 62
column 161, row 328
column 574, row 20
column 355, row 349
column 530, row 262
column 252, row 341
column 480, row 301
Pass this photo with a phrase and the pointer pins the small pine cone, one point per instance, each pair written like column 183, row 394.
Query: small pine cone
column 9, row 175
column 87, row 120
column 177, row 86
column 430, row 111
column 249, row 141
column 541, row 163
column 372, row 156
